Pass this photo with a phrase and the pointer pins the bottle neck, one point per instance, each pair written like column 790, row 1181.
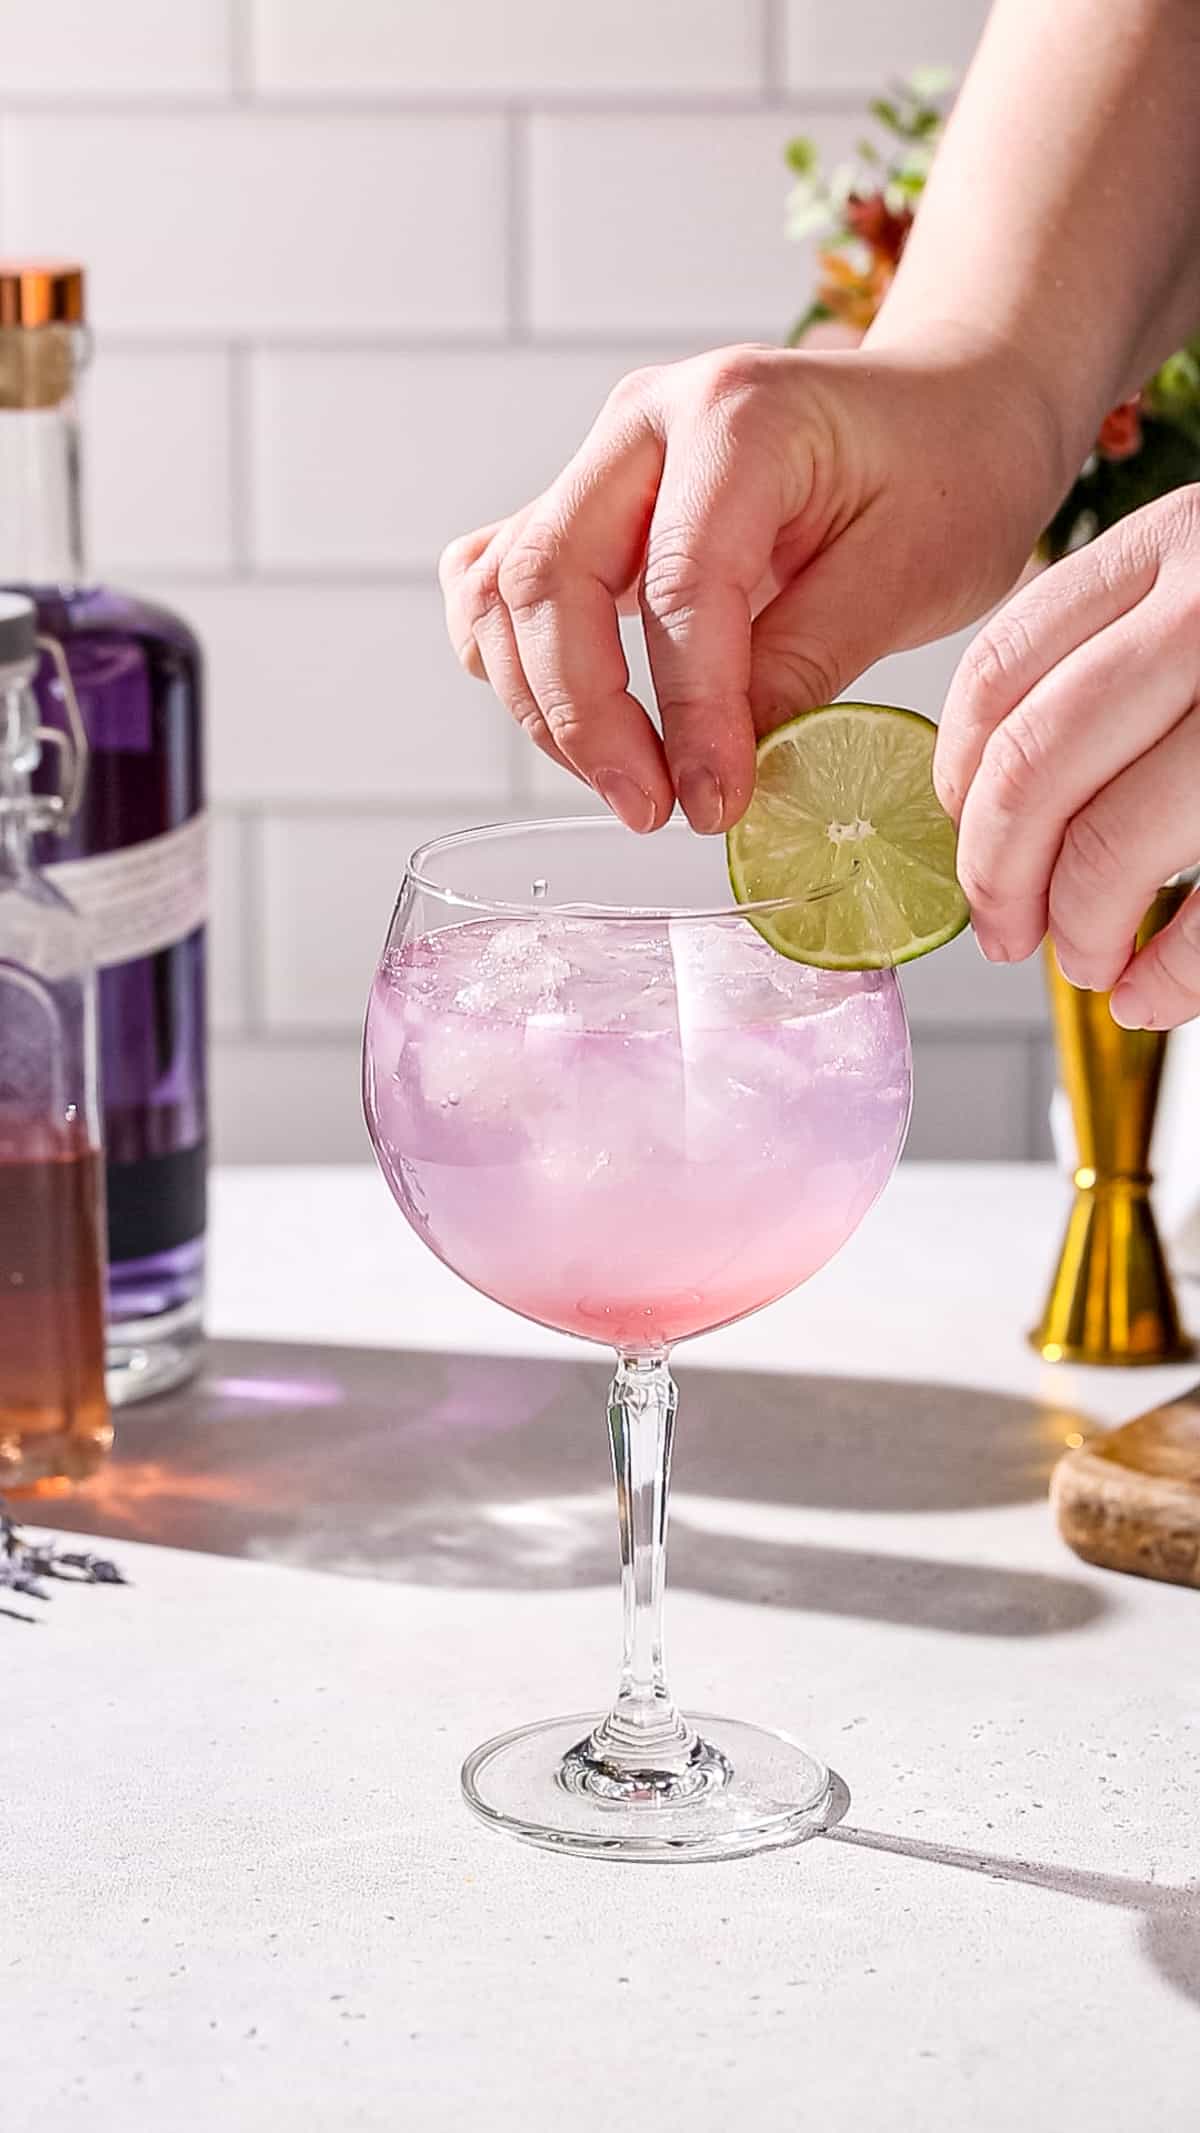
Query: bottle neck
column 41, row 516
column 41, row 510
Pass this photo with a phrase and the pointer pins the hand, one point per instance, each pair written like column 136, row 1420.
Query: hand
column 786, row 518
column 1069, row 755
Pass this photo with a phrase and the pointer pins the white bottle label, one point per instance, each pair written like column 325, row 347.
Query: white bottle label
column 144, row 898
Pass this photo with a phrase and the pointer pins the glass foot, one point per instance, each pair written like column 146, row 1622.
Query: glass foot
column 745, row 1790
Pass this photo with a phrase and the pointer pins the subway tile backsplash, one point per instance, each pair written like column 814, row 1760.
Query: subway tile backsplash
column 361, row 277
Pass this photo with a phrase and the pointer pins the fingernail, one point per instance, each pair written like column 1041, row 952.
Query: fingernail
column 990, row 946
column 626, row 798
column 1129, row 1010
column 701, row 799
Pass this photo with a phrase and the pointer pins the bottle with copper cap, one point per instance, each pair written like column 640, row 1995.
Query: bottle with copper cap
column 133, row 859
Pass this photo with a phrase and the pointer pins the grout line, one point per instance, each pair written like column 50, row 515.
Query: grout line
column 389, row 341
column 628, row 337
column 343, row 810
column 323, row 1037
column 774, row 53
column 241, row 51
column 1021, row 1030
column 833, row 100
column 241, row 543
column 517, row 229
column 367, row 577
column 1037, row 1129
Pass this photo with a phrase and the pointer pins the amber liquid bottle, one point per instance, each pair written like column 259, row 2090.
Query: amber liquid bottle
column 54, row 1418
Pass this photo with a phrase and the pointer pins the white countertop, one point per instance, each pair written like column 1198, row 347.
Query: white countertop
column 242, row 1889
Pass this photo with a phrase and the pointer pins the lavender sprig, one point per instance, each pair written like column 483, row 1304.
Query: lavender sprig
column 24, row 1563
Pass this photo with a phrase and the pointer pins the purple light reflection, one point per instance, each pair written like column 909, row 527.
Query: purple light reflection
column 280, row 1392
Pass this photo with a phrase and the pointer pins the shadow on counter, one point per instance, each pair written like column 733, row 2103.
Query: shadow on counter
column 491, row 1472
column 1168, row 1915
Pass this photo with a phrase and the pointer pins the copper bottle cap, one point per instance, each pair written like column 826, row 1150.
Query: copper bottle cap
column 40, row 292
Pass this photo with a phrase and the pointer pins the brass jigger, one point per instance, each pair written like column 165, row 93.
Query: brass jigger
column 1111, row 1299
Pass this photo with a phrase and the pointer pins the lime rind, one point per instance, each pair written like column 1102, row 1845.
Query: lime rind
column 844, row 798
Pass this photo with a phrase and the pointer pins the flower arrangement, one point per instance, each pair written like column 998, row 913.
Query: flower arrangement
column 864, row 209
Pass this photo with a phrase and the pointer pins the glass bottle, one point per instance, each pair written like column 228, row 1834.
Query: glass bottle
column 133, row 859
column 54, row 1419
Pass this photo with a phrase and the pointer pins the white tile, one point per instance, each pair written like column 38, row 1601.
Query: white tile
column 956, row 986
column 339, row 693
column 67, row 48
column 256, row 223
column 427, row 446
column 158, row 478
column 329, row 887
column 476, row 47
column 667, row 223
column 226, row 931
column 971, row 1099
column 287, row 1103
column 867, row 44
column 918, row 679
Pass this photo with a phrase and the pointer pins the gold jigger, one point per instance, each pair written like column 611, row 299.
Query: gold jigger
column 1111, row 1299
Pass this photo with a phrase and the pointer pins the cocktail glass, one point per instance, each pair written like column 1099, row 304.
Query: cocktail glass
column 603, row 1099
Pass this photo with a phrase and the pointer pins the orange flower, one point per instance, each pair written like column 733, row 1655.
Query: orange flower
column 1121, row 431
column 851, row 293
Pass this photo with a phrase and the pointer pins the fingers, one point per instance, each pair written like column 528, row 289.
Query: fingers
column 1116, row 854
column 480, row 629
column 709, row 548
column 543, row 602
column 1076, row 730
column 1048, row 619
column 1162, row 986
column 454, row 566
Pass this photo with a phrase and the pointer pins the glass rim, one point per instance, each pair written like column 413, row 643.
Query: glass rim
column 609, row 914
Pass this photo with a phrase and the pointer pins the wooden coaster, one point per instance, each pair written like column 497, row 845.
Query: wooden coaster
column 1131, row 1501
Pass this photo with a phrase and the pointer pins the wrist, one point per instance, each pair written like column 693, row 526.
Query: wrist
column 1039, row 433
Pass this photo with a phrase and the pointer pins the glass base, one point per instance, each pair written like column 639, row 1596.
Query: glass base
column 746, row 1790
column 147, row 1356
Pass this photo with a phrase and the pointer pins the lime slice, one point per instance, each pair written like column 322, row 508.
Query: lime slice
column 845, row 795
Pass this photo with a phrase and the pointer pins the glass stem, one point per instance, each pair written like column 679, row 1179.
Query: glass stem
column 643, row 1731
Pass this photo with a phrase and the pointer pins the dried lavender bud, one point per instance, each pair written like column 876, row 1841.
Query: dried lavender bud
column 24, row 1562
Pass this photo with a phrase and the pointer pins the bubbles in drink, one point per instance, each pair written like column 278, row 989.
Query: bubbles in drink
column 632, row 1128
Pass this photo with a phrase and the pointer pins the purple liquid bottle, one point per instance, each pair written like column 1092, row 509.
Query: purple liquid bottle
column 134, row 862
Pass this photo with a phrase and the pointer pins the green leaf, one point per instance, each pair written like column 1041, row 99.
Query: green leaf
column 801, row 155
column 1173, row 393
column 1109, row 489
column 887, row 114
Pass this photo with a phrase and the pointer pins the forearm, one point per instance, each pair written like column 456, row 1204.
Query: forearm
column 1062, row 220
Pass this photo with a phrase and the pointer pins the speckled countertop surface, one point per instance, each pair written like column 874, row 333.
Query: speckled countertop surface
column 241, row 1889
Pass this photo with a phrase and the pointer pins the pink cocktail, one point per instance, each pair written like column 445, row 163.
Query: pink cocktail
column 603, row 1099
column 634, row 1134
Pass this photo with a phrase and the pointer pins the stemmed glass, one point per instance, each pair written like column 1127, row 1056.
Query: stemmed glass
column 603, row 1099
